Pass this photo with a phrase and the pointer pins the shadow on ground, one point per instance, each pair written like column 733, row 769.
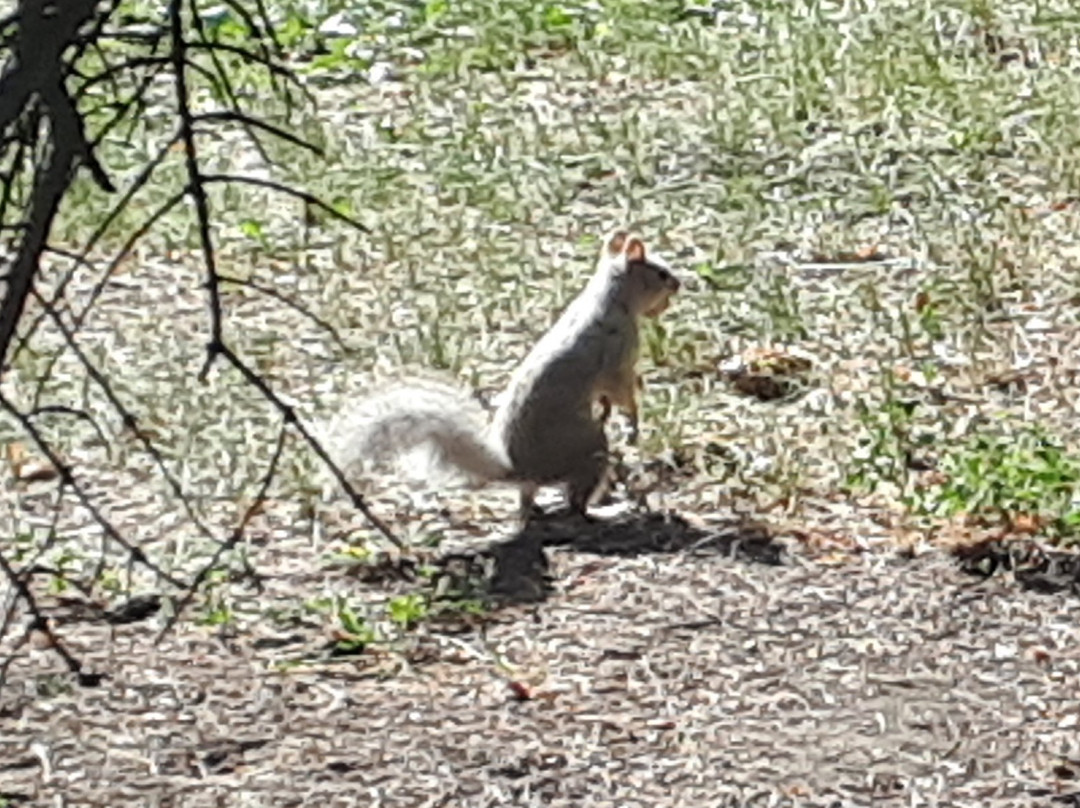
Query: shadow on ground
column 1033, row 566
column 519, row 566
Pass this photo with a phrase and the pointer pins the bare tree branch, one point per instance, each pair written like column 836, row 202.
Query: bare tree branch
column 234, row 539
column 195, row 182
column 126, row 66
column 37, row 66
column 226, row 89
column 263, row 59
column 268, row 26
column 67, row 478
column 95, row 293
column 48, row 192
column 8, row 187
column 311, row 199
column 82, row 415
column 48, row 40
column 130, row 422
column 254, row 123
column 40, row 623
column 292, row 304
column 289, row 414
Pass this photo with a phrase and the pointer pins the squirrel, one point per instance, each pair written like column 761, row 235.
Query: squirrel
column 545, row 430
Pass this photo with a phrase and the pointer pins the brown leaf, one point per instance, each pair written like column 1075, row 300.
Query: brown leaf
column 16, row 455
column 871, row 252
column 36, row 471
column 521, row 691
column 1040, row 656
column 1026, row 523
column 766, row 374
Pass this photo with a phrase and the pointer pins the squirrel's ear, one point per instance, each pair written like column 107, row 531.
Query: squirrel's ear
column 635, row 250
column 614, row 243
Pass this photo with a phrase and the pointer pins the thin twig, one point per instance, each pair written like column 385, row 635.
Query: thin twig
column 268, row 26
column 128, row 418
column 226, row 90
column 51, row 536
column 128, row 65
column 8, row 187
column 137, row 184
column 95, row 293
column 289, row 414
column 82, row 415
column 285, row 189
column 67, row 478
column 230, row 116
column 245, row 15
column 250, row 56
column 195, row 186
column 292, row 304
column 234, row 538
column 41, row 623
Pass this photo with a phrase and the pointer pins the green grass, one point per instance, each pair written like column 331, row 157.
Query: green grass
column 759, row 146
column 1012, row 478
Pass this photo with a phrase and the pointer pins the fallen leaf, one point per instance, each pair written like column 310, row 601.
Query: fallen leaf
column 1027, row 523
column 766, row 374
column 521, row 691
column 36, row 472
column 1040, row 656
column 871, row 252
column 16, row 455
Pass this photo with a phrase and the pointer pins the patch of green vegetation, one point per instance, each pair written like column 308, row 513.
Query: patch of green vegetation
column 406, row 611
column 351, row 631
column 1024, row 476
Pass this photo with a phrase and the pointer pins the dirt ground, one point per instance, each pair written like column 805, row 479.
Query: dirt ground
column 649, row 664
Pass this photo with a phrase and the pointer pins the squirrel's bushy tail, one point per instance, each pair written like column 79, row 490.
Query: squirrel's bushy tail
column 428, row 420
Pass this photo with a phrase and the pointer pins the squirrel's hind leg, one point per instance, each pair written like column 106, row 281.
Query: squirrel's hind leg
column 527, row 501
column 583, row 487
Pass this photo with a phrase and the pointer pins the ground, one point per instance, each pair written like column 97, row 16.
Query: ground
column 692, row 674
column 850, row 585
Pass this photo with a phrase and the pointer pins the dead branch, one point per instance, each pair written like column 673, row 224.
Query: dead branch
column 195, row 183
column 259, row 383
column 67, row 477
column 249, row 123
column 40, row 623
column 130, row 421
column 47, row 41
column 234, row 539
column 292, row 304
column 45, row 31
column 304, row 196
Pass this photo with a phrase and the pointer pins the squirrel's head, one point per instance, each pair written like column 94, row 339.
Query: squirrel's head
column 646, row 282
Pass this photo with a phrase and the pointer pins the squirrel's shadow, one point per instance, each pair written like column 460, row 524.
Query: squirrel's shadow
column 519, row 569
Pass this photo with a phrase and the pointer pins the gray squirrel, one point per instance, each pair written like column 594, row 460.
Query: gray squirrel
column 545, row 430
